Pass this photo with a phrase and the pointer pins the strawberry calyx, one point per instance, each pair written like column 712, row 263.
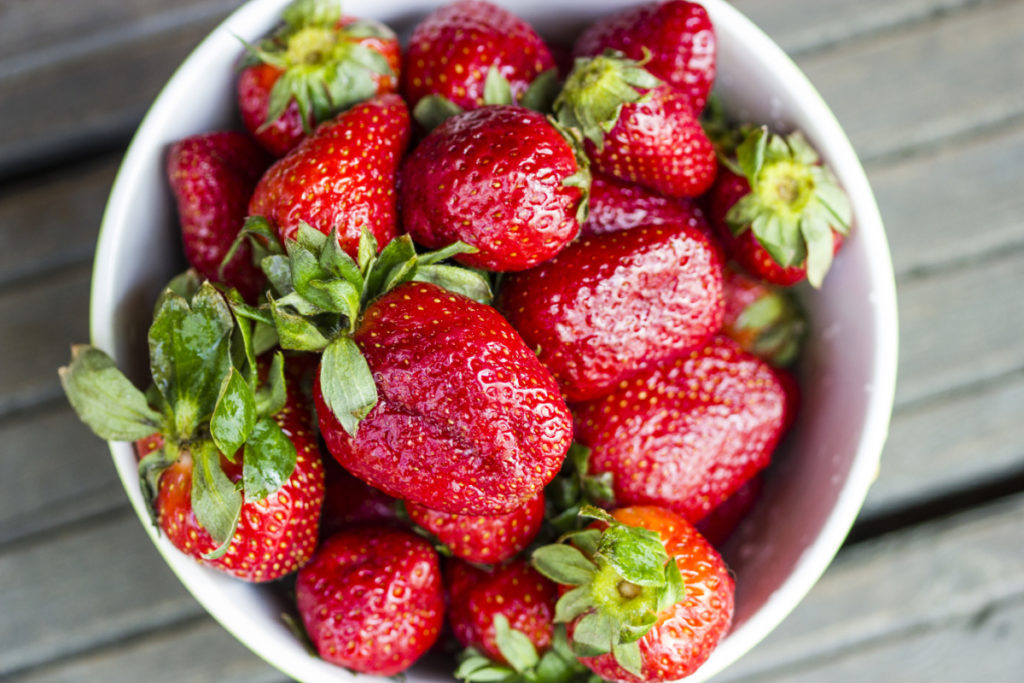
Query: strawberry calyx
column 596, row 90
column 324, row 65
column 764, row 320
column 622, row 579
column 524, row 665
column 573, row 487
column 434, row 109
column 206, row 402
column 794, row 202
column 320, row 293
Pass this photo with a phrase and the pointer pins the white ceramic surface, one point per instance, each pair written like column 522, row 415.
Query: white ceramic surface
column 818, row 482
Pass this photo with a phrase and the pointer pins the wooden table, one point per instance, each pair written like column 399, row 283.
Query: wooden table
column 930, row 586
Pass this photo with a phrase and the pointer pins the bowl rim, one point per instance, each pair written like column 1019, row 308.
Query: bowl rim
column 864, row 469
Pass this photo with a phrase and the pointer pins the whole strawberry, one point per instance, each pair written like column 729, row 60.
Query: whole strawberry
column 645, row 597
column 231, row 469
column 453, row 49
column 315, row 65
column 212, row 176
column 619, row 205
column 763, row 319
column 340, row 178
column 482, row 539
column 675, row 37
column 689, row 433
column 500, row 178
column 637, row 127
column 783, row 216
column 371, row 599
column 486, row 604
column 610, row 305
column 466, row 419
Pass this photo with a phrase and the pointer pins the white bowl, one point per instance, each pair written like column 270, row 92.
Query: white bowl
column 815, row 488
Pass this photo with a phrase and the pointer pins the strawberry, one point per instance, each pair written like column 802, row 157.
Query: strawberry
column 609, row 305
column 675, row 37
column 212, row 177
column 763, row 319
column 718, row 525
column 453, row 49
column 231, row 467
column 485, row 604
column 637, row 127
column 780, row 213
column 500, row 178
column 466, row 420
column 349, row 501
column 645, row 597
column 617, row 205
column 316, row 64
column 688, row 433
column 371, row 599
column 484, row 540
column 342, row 177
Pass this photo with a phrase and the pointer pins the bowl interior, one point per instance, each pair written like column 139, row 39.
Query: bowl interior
column 821, row 476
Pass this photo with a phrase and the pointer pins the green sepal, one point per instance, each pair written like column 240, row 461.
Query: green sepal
column 386, row 268
column 312, row 13
column 150, row 470
column 296, row 332
column 234, row 415
column 216, row 501
column 638, row 555
column 497, row 89
column 347, row 383
column 272, row 396
column 269, row 460
column 433, row 110
column 675, row 589
column 469, row 283
column 563, row 564
column 628, row 656
column 105, row 399
column 367, row 250
column 541, row 94
column 476, row 668
column 514, row 646
column 184, row 284
column 572, row 604
column 594, row 634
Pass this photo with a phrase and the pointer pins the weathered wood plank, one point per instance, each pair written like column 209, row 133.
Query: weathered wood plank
column 54, row 471
column 213, row 656
column 940, row 78
column 954, row 204
column 87, row 587
column 922, row 578
column 41, row 321
column 53, row 221
column 799, row 26
column 980, row 647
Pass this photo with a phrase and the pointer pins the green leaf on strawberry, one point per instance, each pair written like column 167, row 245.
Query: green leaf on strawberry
column 347, row 383
column 269, row 460
column 215, row 499
column 234, row 415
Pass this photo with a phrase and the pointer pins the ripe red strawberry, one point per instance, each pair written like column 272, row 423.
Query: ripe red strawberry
column 480, row 598
column 637, row 127
column 230, row 464
column 650, row 598
column 212, row 177
column 499, row 178
column 466, row 418
column 689, row 433
column 763, row 319
column 451, row 52
column 315, row 65
column 718, row 525
column 618, row 205
column 372, row 599
column 341, row 177
column 610, row 305
column 349, row 501
column 676, row 37
column 785, row 217
column 484, row 540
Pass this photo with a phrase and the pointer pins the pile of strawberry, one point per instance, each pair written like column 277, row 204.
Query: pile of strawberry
column 539, row 429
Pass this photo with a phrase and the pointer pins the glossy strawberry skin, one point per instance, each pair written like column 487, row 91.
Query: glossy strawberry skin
column 494, row 178
column 212, row 176
column 467, row 419
column 728, row 189
column 481, row 539
column 689, row 433
column 451, row 51
column 658, row 142
column 679, row 36
column 341, row 176
column 686, row 633
column 609, row 305
column 282, row 135
column 372, row 599
column 619, row 205
column 275, row 536
column 516, row 591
